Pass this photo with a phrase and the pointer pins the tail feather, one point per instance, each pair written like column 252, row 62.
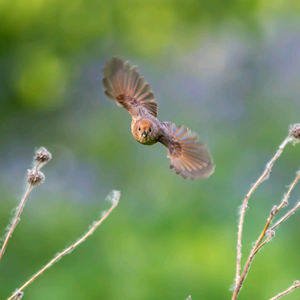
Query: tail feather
column 187, row 157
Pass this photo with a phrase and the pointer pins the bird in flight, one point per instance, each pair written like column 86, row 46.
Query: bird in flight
column 123, row 84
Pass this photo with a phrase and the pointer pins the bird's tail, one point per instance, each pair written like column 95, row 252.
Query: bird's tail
column 188, row 158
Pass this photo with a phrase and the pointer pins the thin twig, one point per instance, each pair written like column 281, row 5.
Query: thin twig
column 263, row 177
column 290, row 289
column 34, row 178
column 15, row 220
column 115, row 197
column 274, row 211
column 265, row 241
column 286, row 216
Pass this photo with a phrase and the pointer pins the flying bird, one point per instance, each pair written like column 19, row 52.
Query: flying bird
column 123, row 84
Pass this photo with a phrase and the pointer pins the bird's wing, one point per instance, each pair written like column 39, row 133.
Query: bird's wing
column 187, row 157
column 124, row 84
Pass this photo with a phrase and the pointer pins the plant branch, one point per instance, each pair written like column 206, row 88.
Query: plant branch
column 263, row 177
column 34, row 178
column 286, row 216
column 272, row 233
column 115, row 197
column 290, row 289
column 15, row 220
column 256, row 247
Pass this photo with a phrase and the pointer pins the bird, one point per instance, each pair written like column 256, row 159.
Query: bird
column 123, row 84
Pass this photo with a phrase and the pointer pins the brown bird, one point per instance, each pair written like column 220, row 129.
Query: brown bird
column 123, row 84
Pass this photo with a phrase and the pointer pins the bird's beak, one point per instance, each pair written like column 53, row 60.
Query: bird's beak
column 144, row 134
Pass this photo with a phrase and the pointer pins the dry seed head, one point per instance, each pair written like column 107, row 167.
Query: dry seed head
column 42, row 155
column 296, row 282
column 295, row 130
column 114, row 197
column 35, row 178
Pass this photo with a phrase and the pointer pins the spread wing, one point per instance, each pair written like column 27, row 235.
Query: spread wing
column 188, row 157
column 124, row 84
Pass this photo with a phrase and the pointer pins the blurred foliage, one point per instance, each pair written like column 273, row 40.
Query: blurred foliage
column 42, row 38
column 227, row 69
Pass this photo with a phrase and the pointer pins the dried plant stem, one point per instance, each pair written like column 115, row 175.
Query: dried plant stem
column 257, row 245
column 34, row 178
column 263, row 177
column 290, row 289
column 66, row 251
column 15, row 220
column 286, row 216
column 264, row 242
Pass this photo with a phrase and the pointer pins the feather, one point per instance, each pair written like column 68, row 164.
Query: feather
column 124, row 84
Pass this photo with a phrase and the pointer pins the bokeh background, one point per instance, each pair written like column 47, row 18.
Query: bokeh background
column 229, row 70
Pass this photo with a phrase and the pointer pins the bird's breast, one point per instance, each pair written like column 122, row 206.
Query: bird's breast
column 143, row 140
column 146, row 142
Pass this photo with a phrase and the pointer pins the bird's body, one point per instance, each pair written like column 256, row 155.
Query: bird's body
column 123, row 84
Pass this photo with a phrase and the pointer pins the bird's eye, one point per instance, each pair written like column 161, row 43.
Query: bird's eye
column 139, row 128
column 149, row 129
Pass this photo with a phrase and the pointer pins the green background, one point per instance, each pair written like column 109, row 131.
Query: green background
column 228, row 70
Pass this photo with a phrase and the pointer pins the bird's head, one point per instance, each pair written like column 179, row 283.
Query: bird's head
column 145, row 131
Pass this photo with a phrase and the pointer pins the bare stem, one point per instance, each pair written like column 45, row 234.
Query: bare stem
column 263, row 177
column 264, row 242
column 286, row 216
column 256, row 247
column 15, row 220
column 116, row 197
column 290, row 289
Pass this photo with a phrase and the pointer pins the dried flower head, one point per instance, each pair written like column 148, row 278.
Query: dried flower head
column 35, row 177
column 114, row 197
column 295, row 130
column 42, row 156
column 19, row 296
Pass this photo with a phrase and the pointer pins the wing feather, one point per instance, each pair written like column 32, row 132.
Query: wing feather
column 124, row 84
